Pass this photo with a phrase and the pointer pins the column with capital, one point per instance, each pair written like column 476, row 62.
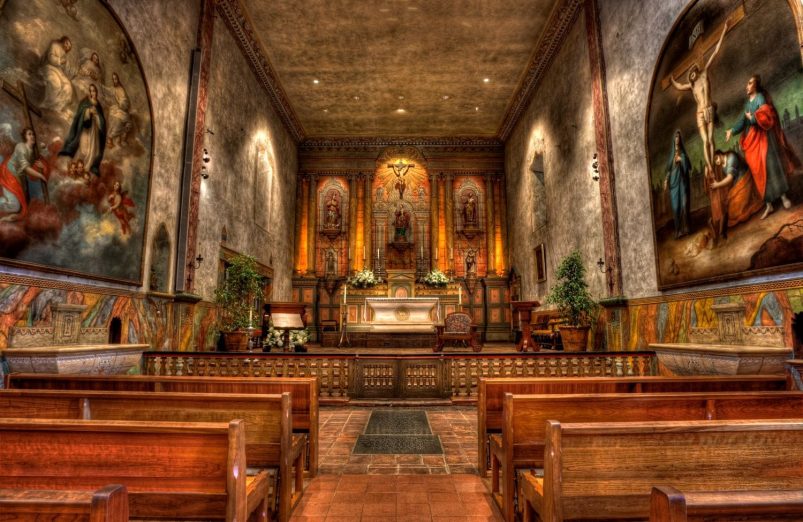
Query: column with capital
column 449, row 209
column 352, row 255
column 501, row 214
column 433, row 221
column 489, row 224
column 312, row 224
column 368, row 221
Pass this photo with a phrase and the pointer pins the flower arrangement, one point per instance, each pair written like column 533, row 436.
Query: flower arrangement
column 274, row 338
column 436, row 278
column 365, row 278
column 299, row 337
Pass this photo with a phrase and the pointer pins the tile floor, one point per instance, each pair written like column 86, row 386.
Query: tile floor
column 436, row 488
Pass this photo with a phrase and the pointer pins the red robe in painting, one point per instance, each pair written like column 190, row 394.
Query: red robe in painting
column 766, row 150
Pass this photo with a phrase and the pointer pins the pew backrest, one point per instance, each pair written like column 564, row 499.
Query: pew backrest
column 171, row 469
column 668, row 504
column 595, row 469
column 108, row 504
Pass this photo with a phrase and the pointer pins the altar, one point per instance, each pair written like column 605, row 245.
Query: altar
column 402, row 315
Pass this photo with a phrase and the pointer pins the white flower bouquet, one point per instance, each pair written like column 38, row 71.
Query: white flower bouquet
column 274, row 338
column 365, row 278
column 436, row 278
column 299, row 337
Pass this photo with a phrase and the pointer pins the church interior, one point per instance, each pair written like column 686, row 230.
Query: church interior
column 401, row 260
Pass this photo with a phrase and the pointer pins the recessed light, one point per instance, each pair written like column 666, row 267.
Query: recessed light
column 356, row 98
column 445, row 96
column 401, row 97
column 412, row 8
column 326, row 110
column 316, row 81
column 486, row 80
column 477, row 109
column 400, row 110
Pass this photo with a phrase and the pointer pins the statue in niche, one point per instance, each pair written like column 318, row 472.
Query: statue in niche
column 332, row 211
column 400, row 169
column 401, row 224
column 470, row 211
column 471, row 261
column 331, row 263
column 421, row 194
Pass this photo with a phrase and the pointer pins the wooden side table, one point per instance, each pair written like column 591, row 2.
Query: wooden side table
column 524, row 311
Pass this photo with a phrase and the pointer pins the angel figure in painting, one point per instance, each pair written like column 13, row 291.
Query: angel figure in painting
column 700, row 87
column 119, row 203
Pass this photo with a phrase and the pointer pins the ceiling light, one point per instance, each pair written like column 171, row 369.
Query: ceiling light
column 356, row 98
column 486, row 80
column 326, row 110
column 445, row 96
column 476, row 109
column 400, row 110
column 412, row 8
column 401, row 97
column 316, row 81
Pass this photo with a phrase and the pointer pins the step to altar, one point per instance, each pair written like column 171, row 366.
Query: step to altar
column 379, row 340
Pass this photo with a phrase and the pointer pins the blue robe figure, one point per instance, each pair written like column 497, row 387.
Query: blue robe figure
column 677, row 182
column 87, row 137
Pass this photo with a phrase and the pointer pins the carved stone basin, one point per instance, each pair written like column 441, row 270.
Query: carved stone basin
column 720, row 359
column 102, row 359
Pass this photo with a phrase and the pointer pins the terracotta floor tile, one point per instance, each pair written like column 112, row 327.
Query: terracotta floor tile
column 421, row 510
column 380, row 510
column 451, row 509
column 437, row 496
column 349, row 509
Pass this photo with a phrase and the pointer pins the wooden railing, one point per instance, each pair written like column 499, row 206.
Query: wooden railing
column 346, row 376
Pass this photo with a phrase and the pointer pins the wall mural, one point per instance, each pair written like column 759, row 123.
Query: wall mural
column 724, row 141
column 75, row 141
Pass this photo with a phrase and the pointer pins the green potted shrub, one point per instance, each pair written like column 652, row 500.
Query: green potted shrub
column 574, row 302
column 235, row 301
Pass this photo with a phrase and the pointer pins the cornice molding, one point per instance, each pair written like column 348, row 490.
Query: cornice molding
column 556, row 29
column 462, row 143
column 768, row 286
column 241, row 27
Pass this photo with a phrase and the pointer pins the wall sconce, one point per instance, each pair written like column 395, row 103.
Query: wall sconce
column 602, row 267
column 595, row 167
column 196, row 264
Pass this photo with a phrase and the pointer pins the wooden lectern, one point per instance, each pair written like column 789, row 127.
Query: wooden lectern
column 523, row 309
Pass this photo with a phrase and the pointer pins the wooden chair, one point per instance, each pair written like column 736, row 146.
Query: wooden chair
column 457, row 326
column 108, row 504
column 668, row 504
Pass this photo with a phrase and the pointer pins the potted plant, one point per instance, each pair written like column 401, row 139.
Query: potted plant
column 574, row 302
column 299, row 338
column 436, row 278
column 235, row 300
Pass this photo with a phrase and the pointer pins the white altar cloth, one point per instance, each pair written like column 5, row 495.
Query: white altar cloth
column 402, row 315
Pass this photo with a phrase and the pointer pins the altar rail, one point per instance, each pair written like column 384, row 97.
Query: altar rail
column 443, row 376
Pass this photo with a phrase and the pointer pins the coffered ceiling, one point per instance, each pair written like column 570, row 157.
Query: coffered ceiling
column 425, row 68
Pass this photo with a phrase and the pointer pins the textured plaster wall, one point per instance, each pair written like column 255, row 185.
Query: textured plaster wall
column 241, row 118
column 633, row 32
column 163, row 42
column 563, row 213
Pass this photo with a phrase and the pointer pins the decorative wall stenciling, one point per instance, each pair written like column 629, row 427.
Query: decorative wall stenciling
column 75, row 189
column 721, row 85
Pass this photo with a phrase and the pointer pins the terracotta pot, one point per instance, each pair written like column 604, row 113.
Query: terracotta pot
column 235, row 341
column 575, row 338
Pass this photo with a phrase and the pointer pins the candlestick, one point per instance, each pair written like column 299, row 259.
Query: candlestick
column 345, row 293
column 459, row 295
column 250, row 317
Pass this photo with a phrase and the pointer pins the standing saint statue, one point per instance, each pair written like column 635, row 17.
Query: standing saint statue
column 470, row 211
column 401, row 224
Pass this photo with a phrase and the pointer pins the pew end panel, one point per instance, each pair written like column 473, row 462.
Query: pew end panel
column 108, row 504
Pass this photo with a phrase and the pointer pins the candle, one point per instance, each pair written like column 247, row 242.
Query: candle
column 460, row 295
column 363, row 252
column 436, row 253
column 451, row 253
column 422, row 250
column 250, row 317
column 377, row 253
column 345, row 293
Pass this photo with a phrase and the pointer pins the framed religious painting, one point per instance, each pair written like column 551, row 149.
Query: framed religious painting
column 724, row 141
column 540, row 263
column 76, row 141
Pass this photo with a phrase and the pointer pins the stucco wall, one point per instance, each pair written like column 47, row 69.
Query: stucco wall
column 633, row 33
column 563, row 213
column 242, row 120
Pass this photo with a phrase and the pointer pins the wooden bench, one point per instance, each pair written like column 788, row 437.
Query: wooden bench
column 545, row 331
column 605, row 471
column 108, row 504
column 304, row 392
column 492, row 391
column 522, row 442
column 668, row 504
column 269, row 442
column 171, row 470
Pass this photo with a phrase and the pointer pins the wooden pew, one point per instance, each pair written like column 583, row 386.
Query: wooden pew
column 668, row 504
column 584, row 478
column 523, row 438
column 108, row 504
column 492, row 391
column 269, row 442
column 171, row 470
column 304, row 392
